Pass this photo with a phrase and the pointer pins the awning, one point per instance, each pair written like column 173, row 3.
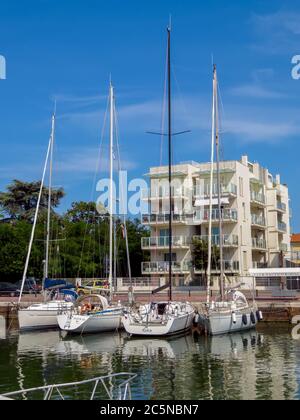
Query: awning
column 275, row 272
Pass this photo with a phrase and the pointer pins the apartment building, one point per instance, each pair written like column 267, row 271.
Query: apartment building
column 295, row 249
column 255, row 214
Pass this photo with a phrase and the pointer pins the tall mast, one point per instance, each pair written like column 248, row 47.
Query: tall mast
column 222, row 292
column 211, row 194
column 46, row 275
column 34, row 223
column 170, row 164
column 111, row 158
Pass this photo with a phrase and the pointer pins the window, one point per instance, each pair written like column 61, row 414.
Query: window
column 241, row 181
column 174, row 257
column 244, row 211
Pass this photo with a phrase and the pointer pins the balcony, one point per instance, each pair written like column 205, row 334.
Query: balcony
column 230, row 241
column 163, row 219
column 226, row 191
column 163, row 268
column 163, row 193
column 230, row 267
column 281, row 207
column 258, row 221
column 163, row 242
column 228, row 215
column 282, row 227
column 259, row 244
column 258, row 198
column 283, row 247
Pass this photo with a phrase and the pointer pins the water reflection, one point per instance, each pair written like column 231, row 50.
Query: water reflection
column 248, row 365
column 2, row 328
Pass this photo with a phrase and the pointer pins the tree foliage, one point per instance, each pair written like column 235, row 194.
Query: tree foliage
column 79, row 244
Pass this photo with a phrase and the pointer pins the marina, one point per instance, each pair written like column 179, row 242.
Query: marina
column 225, row 367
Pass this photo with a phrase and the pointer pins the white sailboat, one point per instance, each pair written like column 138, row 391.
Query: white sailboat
column 168, row 318
column 42, row 315
column 98, row 316
column 232, row 312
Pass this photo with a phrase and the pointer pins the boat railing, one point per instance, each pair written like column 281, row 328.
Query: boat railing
column 110, row 387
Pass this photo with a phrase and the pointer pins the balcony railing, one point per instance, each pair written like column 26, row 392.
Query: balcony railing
column 164, row 192
column 260, row 265
column 228, row 266
column 259, row 243
column 258, row 197
column 227, row 215
column 163, row 267
column 283, row 247
column 282, row 227
column 228, row 240
column 156, row 219
column 281, row 206
column 163, row 242
column 225, row 190
column 258, row 220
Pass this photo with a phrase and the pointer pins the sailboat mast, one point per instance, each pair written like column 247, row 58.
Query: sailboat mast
column 211, row 195
column 111, row 221
column 49, row 198
column 170, row 164
column 222, row 292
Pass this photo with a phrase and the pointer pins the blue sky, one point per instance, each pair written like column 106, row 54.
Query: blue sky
column 68, row 49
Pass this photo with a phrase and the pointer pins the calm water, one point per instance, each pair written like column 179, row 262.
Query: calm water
column 256, row 365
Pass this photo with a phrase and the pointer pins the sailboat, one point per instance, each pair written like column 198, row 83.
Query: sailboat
column 231, row 312
column 94, row 314
column 43, row 315
column 164, row 318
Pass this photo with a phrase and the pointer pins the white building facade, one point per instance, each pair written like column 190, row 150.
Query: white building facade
column 255, row 220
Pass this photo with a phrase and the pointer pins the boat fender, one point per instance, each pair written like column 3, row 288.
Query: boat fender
column 259, row 316
column 253, row 319
column 234, row 320
column 245, row 319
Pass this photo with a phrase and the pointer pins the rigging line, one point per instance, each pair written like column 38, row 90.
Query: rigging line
column 221, row 118
column 164, row 106
column 122, row 198
column 95, row 176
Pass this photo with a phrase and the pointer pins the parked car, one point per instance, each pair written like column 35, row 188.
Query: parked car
column 31, row 286
column 93, row 287
column 9, row 289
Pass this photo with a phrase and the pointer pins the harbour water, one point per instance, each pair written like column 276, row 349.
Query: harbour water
column 253, row 365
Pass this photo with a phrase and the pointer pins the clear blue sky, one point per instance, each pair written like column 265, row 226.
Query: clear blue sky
column 67, row 49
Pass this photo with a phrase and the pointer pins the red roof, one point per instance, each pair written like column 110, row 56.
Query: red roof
column 295, row 238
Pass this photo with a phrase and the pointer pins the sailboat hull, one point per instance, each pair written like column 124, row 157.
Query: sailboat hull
column 174, row 326
column 109, row 320
column 218, row 323
column 42, row 316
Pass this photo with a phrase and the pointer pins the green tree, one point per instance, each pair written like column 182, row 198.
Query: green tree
column 20, row 200
column 200, row 255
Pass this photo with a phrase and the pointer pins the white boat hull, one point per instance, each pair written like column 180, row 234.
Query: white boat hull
column 224, row 323
column 174, row 325
column 109, row 320
column 41, row 316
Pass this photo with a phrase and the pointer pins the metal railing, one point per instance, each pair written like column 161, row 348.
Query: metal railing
column 228, row 266
column 258, row 220
column 227, row 215
column 162, row 219
column 282, row 227
column 281, row 206
column 164, row 192
column 259, row 243
column 110, row 387
column 163, row 242
column 163, row 267
column 204, row 191
column 258, row 197
column 228, row 240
